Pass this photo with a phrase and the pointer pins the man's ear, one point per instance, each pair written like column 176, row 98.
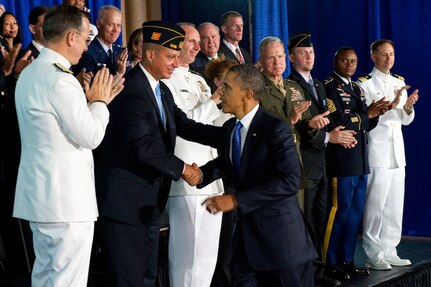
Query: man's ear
column 70, row 38
column 32, row 28
column 223, row 29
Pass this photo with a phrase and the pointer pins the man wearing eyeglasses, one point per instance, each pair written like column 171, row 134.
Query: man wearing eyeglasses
column 60, row 124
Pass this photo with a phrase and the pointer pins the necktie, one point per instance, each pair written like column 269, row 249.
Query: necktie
column 280, row 87
column 239, row 56
column 313, row 88
column 236, row 147
column 111, row 59
column 160, row 104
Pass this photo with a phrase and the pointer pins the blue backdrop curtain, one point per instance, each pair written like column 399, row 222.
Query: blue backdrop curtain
column 269, row 18
column 21, row 9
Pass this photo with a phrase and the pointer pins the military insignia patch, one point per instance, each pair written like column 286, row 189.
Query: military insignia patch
column 156, row 36
column 355, row 119
column 296, row 95
column 63, row 68
column 331, row 106
column 202, row 87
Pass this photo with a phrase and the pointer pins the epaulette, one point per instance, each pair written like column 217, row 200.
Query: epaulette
column 196, row 73
column 364, row 78
column 289, row 80
column 328, row 80
column 63, row 68
column 397, row 76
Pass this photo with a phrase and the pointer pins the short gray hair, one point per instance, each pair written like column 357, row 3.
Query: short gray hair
column 269, row 41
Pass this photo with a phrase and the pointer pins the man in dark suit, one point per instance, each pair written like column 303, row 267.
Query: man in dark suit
column 314, row 135
column 137, row 162
column 210, row 43
column 272, row 246
column 348, row 168
column 35, row 18
column 232, row 27
column 103, row 51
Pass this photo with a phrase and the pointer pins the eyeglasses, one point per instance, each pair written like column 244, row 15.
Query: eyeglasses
column 87, row 41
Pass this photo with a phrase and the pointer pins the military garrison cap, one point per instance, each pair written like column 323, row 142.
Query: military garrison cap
column 163, row 33
column 300, row 40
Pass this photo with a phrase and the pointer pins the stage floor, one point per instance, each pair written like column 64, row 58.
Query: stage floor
column 417, row 249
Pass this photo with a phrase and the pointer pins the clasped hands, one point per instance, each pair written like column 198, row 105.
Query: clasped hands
column 192, row 174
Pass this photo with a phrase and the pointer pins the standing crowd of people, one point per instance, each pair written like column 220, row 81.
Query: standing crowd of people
column 182, row 121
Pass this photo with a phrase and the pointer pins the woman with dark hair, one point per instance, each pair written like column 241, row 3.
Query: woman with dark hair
column 134, row 45
column 9, row 31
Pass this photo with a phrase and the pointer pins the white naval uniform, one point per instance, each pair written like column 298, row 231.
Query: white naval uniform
column 194, row 232
column 55, row 189
column 383, row 212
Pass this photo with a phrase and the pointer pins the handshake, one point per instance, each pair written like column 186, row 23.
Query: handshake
column 192, row 174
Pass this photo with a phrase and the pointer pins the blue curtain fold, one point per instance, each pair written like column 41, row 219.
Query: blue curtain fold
column 269, row 18
column 21, row 9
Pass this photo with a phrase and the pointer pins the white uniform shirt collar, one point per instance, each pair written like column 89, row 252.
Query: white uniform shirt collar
column 181, row 70
column 55, row 57
column 379, row 75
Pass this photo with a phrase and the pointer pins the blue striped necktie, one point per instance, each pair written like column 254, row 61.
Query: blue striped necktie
column 236, row 147
column 158, row 94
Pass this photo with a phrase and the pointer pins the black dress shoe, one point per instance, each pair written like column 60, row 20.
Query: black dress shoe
column 352, row 270
column 335, row 273
column 324, row 281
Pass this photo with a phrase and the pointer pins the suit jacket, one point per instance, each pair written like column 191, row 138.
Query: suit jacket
column 95, row 57
column 272, row 228
column 312, row 143
column 137, row 161
column 348, row 109
column 58, row 130
column 231, row 56
column 34, row 51
column 199, row 63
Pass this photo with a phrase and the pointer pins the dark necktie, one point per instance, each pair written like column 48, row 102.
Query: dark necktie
column 313, row 88
column 111, row 60
column 236, row 147
column 160, row 104
column 239, row 56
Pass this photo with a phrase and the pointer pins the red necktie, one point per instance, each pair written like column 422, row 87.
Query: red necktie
column 239, row 56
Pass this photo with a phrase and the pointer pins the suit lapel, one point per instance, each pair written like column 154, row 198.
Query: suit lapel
column 250, row 142
column 145, row 85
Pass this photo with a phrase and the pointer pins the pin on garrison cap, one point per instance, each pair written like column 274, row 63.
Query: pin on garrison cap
column 163, row 33
column 300, row 40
